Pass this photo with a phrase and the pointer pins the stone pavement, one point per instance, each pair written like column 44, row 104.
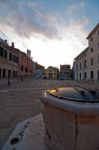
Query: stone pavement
column 28, row 135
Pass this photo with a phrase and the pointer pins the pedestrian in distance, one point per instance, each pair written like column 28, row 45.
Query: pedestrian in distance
column 8, row 81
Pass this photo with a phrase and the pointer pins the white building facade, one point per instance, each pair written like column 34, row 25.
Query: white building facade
column 86, row 64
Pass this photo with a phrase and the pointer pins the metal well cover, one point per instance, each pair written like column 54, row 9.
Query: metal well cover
column 75, row 94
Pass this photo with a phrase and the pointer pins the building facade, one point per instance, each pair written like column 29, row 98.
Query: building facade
column 65, row 72
column 86, row 64
column 81, row 66
column 52, row 73
column 14, row 63
column 39, row 72
column 8, row 61
column 26, row 68
column 25, row 63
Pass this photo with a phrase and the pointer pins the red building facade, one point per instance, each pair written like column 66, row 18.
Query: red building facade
column 14, row 63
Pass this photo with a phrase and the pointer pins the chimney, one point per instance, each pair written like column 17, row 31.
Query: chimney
column 5, row 41
column 13, row 44
column 29, row 54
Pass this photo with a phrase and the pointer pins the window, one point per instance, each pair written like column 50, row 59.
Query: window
column 80, row 65
column 26, row 69
column 0, row 72
column 10, row 56
column 91, row 39
column 16, row 73
column 5, row 53
column 80, row 76
column 98, row 45
column 85, row 64
column 98, row 74
column 91, row 61
column 9, row 73
column 1, row 51
column 98, row 59
column 50, row 75
column 91, row 75
column 91, row 49
column 13, row 73
column 4, row 73
column 77, row 68
column 85, row 75
column 15, row 59
column 22, row 68
column 98, row 32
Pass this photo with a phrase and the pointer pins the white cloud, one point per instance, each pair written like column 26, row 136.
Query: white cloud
column 29, row 18
column 82, row 4
column 60, row 51
column 51, row 41
column 75, row 10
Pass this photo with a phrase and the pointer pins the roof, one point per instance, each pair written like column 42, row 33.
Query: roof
column 51, row 67
column 39, row 66
column 96, row 27
column 81, row 53
column 13, row 49
column 66, row 65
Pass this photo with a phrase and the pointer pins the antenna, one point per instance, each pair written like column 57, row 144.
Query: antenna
column 3, row 37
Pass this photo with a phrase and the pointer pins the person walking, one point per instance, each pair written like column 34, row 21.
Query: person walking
column 8, row 81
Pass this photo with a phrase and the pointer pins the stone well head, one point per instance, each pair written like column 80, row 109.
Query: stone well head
column 71, row 117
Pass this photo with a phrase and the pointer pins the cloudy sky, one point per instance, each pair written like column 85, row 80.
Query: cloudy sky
column 54, row 30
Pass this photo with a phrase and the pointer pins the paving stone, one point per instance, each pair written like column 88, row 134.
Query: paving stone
column 29, row 135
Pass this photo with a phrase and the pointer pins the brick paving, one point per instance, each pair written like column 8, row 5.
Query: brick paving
column 21, row 100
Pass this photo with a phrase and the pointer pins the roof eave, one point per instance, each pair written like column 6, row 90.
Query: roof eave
column 96, row 27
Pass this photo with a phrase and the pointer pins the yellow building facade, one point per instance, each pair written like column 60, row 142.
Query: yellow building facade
column 52, row 73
